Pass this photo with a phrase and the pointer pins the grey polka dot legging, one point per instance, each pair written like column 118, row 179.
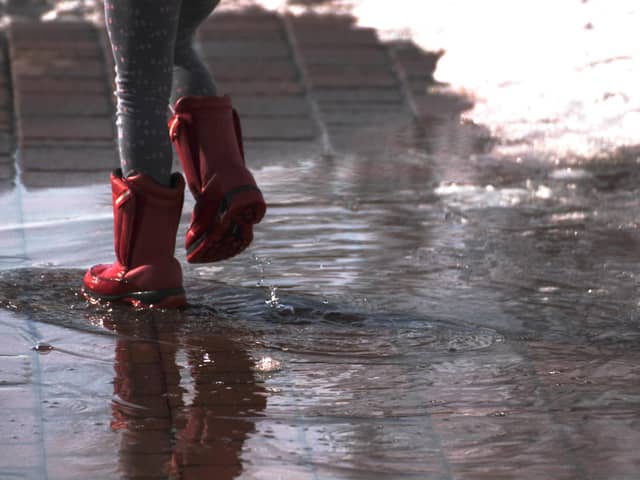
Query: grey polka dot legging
column 152, row 43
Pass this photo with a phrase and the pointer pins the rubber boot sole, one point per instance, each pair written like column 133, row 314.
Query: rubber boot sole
column 169, row 298
column 232, row 232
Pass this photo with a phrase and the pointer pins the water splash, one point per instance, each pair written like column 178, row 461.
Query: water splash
column 268, row 365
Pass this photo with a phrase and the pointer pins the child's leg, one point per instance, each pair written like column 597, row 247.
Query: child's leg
column 190, row 75
column 143, row 34
column 206, row 132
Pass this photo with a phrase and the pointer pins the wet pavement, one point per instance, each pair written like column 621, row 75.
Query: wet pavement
column 417, row 302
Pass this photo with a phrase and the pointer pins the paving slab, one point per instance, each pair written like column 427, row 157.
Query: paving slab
column 367, row 96
column 362, row 56
column 272, row 105
column 347, row 66
column 358, row 80
column 61, row 97
column 246, row 50
column 6, row 118
column 317, row 21
column 336, row 36
column 215, row 32
column 262, row 88
column 359, row 118
column 83, row 49
column 7, row 171
column 6, row 142
column 281, row 129
column 45, row 103
column 5, row 99
column 258, row 18
column 59, row 179
column 253, row 61
column 267, row 152
column 416, row 68
column 53, row 85
column 83, row 158
column 237, row 71
column 434, row 105
column 57, row 127
column 57, row 67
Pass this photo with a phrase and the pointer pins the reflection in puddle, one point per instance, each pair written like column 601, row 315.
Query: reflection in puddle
column 231, row 383
column 201, row 438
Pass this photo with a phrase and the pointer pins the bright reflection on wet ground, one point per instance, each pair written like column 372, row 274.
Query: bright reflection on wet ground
column 424, row 309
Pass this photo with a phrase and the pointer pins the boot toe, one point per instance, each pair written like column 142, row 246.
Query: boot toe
column 103, row 281
column 92, row 276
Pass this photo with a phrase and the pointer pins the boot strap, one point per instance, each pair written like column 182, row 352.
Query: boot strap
column 126, row 205
column 174, row 125
column 179, row 135
column 238, row 129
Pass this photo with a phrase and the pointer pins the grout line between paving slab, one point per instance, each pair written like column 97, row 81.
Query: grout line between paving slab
column 401, row 76
column 37, row 389
column 316, row 113
column 14, row 150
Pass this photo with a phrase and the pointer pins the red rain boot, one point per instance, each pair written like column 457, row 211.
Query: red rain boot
column 207, row 135
column 145, row 220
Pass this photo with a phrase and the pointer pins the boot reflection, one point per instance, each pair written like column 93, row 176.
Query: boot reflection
column 147, row 392
column 161, row 437
column 219, row 420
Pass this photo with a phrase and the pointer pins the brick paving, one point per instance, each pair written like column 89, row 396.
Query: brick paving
column 303, row 85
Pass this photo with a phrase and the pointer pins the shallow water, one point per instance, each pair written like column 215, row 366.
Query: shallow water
column 444, row 316
column 427, row 306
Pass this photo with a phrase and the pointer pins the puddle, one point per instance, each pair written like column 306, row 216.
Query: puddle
column 399, row 323
column 228, row 383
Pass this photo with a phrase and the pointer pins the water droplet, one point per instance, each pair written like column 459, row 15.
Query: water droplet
column 273, row 300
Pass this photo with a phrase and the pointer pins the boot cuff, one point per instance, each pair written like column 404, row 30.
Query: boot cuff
column 152, row 190
column 189, row 104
